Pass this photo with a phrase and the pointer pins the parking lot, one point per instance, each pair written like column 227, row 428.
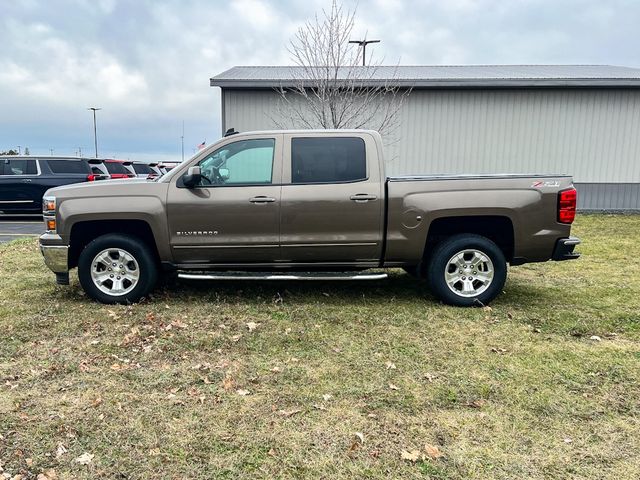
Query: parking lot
column 12, row 228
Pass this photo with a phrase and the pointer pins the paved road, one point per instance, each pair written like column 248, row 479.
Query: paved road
column 19, row 227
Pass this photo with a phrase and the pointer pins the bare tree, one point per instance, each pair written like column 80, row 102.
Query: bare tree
column 330, row 88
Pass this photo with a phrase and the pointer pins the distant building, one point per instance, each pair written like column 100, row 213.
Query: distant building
column 583, row 120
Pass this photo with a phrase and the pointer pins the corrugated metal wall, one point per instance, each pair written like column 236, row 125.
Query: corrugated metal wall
column 592, row 134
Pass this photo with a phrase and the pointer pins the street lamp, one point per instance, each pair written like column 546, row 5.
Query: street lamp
column 95, row 134
column 363, row 44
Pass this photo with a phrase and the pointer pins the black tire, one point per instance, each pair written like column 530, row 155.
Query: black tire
column 146, row 266
column 439, row 263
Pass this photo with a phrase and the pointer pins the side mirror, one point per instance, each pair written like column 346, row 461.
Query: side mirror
column 192, row 177
column 224, row 173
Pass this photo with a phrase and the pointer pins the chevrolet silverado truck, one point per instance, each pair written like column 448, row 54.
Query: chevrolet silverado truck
column 289, row 205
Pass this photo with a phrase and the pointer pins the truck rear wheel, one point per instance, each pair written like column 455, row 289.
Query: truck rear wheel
column 116, row 268
column 467, row 270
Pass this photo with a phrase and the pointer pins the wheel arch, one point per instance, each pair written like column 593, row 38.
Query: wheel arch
column 83, row 232
column 497, row 228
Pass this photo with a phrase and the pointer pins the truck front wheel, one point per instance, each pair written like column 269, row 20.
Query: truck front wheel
column 117, row 268
column 467, row 270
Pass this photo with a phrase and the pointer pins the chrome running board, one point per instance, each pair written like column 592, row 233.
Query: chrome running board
column 326, row 276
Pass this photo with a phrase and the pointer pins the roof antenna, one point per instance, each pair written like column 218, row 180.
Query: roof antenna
column 229, row 132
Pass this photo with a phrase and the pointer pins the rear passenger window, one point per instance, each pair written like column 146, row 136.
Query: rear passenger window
column 67, row 166
column 328, row 160
column 22, row 166
column 116, row 167
column 141, row 168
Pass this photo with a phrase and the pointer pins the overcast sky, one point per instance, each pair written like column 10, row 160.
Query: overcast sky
column 147, row 63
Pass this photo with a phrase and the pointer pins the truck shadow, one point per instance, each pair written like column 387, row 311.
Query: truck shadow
column 399, row 286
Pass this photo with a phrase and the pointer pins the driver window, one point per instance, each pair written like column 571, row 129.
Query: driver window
column 246, row 162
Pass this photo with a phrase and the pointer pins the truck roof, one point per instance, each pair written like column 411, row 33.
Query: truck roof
column 316, row 130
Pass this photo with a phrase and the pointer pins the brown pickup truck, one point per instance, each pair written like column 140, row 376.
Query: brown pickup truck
column 305, row 205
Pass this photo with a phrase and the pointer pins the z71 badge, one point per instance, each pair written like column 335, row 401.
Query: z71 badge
column 550, row 183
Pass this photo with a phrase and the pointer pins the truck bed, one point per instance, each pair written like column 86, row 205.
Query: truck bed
column 527, row 203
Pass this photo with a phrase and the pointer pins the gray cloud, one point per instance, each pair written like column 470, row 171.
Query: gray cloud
column 147, row 63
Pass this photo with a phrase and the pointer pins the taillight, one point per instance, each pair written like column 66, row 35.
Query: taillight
column 567, row 200
column 91, row 177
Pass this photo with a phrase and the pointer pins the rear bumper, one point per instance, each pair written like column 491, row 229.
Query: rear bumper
column 564, row 249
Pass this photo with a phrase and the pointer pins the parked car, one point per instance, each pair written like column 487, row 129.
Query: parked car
column 289, row 202
column 156, row 169
column 167, row 167
column 143, row 170
column 23, row 179
column 118, row 169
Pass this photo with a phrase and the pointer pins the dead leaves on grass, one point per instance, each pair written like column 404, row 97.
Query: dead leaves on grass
column 289, row 413
column 478, row 403
column 251, row 326
column 85, row 459
column 410, row 455
column 430, row 452
column 228, row 383
column 356, row 442
column 61, row 450
column 49, row 474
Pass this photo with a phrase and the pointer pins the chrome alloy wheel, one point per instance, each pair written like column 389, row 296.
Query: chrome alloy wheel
column 115, row 271
column 469, row 273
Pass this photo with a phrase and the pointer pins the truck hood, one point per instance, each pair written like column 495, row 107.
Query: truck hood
column 103, row 188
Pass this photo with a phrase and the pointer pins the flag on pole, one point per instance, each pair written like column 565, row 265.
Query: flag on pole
column 201, row 146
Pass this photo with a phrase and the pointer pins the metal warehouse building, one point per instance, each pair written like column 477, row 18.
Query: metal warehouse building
column 581, row 119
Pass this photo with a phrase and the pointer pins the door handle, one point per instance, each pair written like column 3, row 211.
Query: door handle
column 26, row 180
column 262, row 199
column 362, row 197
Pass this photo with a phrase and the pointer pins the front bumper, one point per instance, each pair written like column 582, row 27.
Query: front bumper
column 56, row 256
column 564, row 249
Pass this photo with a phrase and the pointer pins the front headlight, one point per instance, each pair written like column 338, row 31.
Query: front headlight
column 49, row 213
column 48, row 205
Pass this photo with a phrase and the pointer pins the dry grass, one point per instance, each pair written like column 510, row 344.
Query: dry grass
column 151, row 390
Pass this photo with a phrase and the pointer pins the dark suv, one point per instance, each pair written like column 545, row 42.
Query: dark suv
column 23, row 180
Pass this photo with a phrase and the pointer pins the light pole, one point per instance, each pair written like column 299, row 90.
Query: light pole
column 95, row 132
column 363, row 44
column 182, row 140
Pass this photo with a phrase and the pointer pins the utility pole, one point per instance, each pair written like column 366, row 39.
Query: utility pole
column 95, row 131
column 363, row 44
column 182, row 140
column 79, row 151
column 51, row 150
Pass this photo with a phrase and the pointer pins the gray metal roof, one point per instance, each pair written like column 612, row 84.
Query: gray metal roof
column 435, row 76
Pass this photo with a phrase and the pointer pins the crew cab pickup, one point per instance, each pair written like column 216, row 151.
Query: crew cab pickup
column 305, row 205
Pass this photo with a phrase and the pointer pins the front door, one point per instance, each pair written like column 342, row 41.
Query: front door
column 232, row 216
column 332, row 200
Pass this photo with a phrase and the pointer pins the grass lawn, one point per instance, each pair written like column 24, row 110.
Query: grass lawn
column 328, row 380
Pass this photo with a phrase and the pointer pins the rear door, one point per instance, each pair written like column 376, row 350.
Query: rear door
column 233, row 216
column 332, row 199
column 19, row 187
column 68, row 170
